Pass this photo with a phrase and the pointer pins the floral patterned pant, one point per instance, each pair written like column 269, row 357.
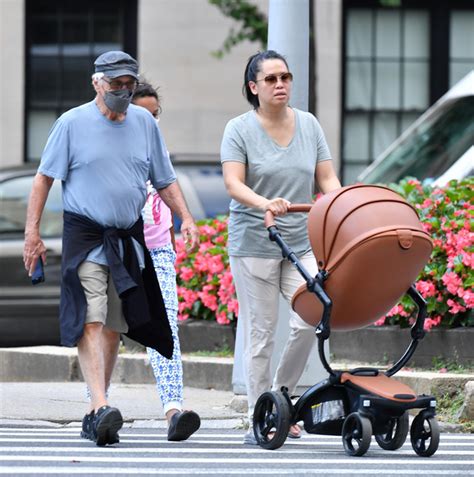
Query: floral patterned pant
column 168, row 372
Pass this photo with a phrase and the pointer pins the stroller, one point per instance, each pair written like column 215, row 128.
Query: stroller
column 370, row 247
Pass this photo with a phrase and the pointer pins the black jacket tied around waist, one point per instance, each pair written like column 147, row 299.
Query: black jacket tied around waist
column 142, row 302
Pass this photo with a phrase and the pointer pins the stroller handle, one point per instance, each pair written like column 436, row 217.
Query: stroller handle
column 270, row 218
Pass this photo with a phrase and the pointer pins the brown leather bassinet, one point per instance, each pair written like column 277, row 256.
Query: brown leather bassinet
column 372, row 245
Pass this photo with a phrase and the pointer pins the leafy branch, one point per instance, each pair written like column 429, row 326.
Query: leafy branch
column 253, row 24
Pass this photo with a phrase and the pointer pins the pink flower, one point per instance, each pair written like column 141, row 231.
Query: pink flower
column 221, row 318
column 215, row 264
column 186, row 273
column 455, row 308
column 233, row 306
column 432, row 322
column 452, row 282
column 209, row 300
column 205, row 246
column 426, row 288
column 207, row 230
column 380, row 321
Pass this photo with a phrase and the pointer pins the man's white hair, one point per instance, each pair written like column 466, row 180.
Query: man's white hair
column 97, row 76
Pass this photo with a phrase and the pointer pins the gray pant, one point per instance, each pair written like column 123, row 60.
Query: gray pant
column 258, row 282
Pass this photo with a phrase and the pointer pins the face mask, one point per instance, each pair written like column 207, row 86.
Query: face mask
column 118, row 101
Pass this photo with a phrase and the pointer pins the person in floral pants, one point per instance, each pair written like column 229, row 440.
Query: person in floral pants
column 159, row 238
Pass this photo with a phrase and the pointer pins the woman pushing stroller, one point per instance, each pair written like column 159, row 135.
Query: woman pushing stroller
column 272, row 156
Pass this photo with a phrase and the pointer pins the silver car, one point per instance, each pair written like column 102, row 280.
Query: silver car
column 29, row 314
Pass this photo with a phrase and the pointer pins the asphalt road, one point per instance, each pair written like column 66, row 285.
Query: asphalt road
column 26, row 450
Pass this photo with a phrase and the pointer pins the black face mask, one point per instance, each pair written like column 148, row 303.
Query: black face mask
column 118, row 101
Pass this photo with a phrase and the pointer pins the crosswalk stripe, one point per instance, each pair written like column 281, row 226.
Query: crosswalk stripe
column 197, row 439
column 212, row 471
column 232, row 460
column 203, row 450
column 124, row 439
column 202, row 433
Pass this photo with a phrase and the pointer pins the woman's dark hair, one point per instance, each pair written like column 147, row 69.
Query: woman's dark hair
column 144, row 90
column 253, row 67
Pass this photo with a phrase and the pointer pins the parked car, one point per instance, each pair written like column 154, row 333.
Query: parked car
column 29, row 314
column 440, row 140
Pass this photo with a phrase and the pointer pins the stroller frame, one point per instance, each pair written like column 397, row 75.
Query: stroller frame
column 363, row 410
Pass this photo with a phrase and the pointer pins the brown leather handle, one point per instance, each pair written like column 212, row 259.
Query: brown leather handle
column 270, row 218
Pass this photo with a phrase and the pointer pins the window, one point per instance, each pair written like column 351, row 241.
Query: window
column 461, row 41
column 387, row 80
column 63, row 40
column 397, row 62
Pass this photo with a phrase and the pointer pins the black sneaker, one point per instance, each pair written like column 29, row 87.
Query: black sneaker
column 182, row 425
column 106, row 424
column 87, row 432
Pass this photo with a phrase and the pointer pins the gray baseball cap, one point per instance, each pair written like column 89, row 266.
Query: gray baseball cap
column 116, row 63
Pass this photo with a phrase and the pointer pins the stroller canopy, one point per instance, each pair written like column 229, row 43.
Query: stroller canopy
column 372, row 244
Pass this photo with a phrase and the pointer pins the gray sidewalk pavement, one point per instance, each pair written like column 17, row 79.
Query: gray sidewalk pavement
column 44, row 383
column 65, row 403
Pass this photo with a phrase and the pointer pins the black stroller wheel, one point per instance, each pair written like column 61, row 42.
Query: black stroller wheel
column 396, row 434
column 424, row 434
column 271, row 420
column 356, row 434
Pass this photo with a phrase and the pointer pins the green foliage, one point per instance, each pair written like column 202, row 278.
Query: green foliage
column 450, row 366
column 448, row 405
column 253, row 24
column 224, row 352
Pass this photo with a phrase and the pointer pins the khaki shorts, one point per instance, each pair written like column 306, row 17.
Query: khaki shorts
column 103, row 303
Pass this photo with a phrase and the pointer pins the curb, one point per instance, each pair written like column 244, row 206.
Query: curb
column 59, row 364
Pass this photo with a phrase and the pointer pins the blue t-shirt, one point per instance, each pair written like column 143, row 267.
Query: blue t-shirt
column 104, row 165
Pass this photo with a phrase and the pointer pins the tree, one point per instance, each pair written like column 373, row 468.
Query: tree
column 253, row 24
column 254, row 27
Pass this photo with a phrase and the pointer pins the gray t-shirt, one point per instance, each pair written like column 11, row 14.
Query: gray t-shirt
column 104, row 165
column 272, row 171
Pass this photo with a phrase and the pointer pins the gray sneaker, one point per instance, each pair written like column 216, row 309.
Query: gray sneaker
column 249, row 438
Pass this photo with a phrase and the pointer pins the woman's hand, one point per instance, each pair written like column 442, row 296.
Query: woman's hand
column 277, row 206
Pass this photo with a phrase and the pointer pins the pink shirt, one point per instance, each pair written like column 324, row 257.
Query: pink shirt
column 157, row 220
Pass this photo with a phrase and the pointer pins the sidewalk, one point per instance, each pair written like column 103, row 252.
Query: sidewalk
column 45, row 383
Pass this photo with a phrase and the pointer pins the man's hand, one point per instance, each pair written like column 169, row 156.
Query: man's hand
column 190, row 234
column 33, row 249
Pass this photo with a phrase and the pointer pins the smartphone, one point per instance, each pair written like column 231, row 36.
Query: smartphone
column 38, row 273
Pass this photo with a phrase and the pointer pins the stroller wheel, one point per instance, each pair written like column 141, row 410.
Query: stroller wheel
column 396, row 434
column 271, row 420
column 356, row 434
column 424, row 434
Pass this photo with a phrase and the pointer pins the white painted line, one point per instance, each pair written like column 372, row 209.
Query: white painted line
column 212, row 471
column 223, row 460
column 160, row 433
column 124, row 439
column 206, row 450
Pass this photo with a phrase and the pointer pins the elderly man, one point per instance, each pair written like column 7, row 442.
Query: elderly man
column 104, row 152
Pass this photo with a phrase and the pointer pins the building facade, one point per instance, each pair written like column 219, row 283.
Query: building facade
column 378, row 65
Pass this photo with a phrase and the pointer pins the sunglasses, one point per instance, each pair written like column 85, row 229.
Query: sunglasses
column 273, row 79
column 117, row 84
